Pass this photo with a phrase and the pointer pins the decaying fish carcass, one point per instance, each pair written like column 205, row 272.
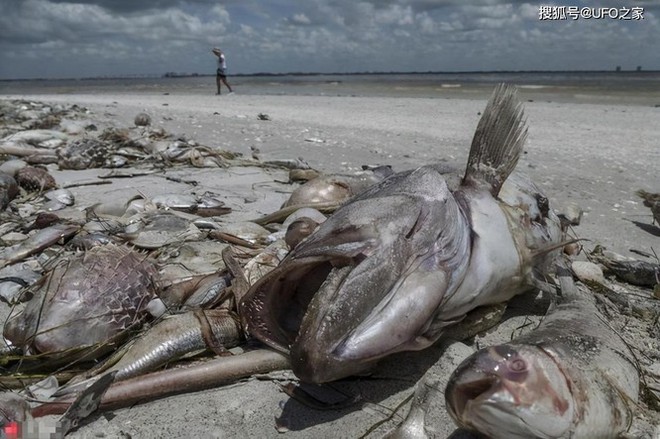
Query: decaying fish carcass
column 85, row 301
column 572, row 377
column 408, row 257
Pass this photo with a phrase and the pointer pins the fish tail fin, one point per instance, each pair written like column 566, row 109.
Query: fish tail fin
column 498, row 141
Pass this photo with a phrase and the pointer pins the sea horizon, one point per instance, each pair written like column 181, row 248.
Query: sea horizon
column 639, row 87
column 636, row 71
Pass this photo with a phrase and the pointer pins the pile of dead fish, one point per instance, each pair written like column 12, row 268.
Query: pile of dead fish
column 41, row 134
column 405, row 260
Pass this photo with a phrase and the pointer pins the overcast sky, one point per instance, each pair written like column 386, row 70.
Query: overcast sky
column 66, row 39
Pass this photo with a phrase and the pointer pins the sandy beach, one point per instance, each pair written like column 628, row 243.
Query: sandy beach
column 593, row 154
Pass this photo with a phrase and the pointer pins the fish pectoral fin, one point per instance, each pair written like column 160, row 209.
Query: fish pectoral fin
column 498, row 141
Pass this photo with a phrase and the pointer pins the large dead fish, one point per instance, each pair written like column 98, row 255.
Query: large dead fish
column 573, row 377
column 408, row 257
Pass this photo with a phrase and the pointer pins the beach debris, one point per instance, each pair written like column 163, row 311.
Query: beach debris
column 298, row 163
column 14, row 278
column 573, row 376
column 10, row 167
column 36, row 243
column 298, row 230
column 336, row 187
column 263, row 116
column 85, row 300
column 84, row 154
column 191, row 378
column 152, row 230
column 64, row 196
column 86, row 403
column 397, row 264
column 302, row 175
column 633, row 271
column 142, row 120
column 32, row 178
column 428, row 412
column 8, row 190
column 13, row 408
column 587, row 271
column 570, row 215
column 651, row 201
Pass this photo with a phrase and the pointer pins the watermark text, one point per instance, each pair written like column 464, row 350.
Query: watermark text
column 549, row 13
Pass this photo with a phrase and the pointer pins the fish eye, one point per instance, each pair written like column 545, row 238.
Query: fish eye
column 518, row 365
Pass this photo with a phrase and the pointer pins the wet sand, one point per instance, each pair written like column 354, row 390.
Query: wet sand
column 595, row 155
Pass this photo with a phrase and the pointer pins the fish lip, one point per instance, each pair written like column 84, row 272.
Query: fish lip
column 461, row 395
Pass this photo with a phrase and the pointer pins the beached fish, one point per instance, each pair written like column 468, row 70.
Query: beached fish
column 572, row 377
column 169, row 340
column 84, row 300
column 408, row 257
column 336, row 187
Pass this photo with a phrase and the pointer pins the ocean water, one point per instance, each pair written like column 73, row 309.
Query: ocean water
column 641, row 87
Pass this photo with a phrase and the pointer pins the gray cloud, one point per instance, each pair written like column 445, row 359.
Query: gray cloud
column 54, row 38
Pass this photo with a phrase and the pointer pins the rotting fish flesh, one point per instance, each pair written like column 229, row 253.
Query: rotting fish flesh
column 85, row 300
column 572, row 377
column 396, row 265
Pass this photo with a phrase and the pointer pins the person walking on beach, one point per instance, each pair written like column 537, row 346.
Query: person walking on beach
column 221, row 72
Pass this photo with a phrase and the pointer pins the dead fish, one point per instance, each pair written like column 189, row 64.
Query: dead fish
column 41, row 240
column 63, row 196
column 43, row 138
column 168, row 341
column 35, row 179
column 408, row 257
column 633, row 271
column 86, row 299
column 336, row 187
column 572, row 377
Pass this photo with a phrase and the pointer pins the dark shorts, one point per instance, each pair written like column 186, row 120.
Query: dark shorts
column 221, row 73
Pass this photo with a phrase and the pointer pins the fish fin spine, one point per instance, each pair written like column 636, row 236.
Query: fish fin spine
column 498, row 140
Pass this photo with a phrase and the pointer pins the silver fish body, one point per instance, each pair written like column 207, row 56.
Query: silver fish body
column 408, row 257
column 169, row 340
column 573, row 377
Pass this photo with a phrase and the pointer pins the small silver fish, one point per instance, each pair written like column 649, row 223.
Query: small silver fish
column 169, row 340
column 572, row 377
column 409, row 257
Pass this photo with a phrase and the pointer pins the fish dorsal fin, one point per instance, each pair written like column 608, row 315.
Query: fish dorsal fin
column 498, row 140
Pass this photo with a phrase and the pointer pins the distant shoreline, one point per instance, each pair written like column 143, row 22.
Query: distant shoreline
column 368, row 73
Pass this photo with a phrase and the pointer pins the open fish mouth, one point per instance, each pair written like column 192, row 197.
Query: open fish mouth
column 314, row 307
column 365, row 285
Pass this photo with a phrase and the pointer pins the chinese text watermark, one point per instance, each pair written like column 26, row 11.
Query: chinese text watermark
column 589, row 13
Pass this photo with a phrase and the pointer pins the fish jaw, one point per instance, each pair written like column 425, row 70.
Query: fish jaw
column 511, row 391
column 384, row 264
